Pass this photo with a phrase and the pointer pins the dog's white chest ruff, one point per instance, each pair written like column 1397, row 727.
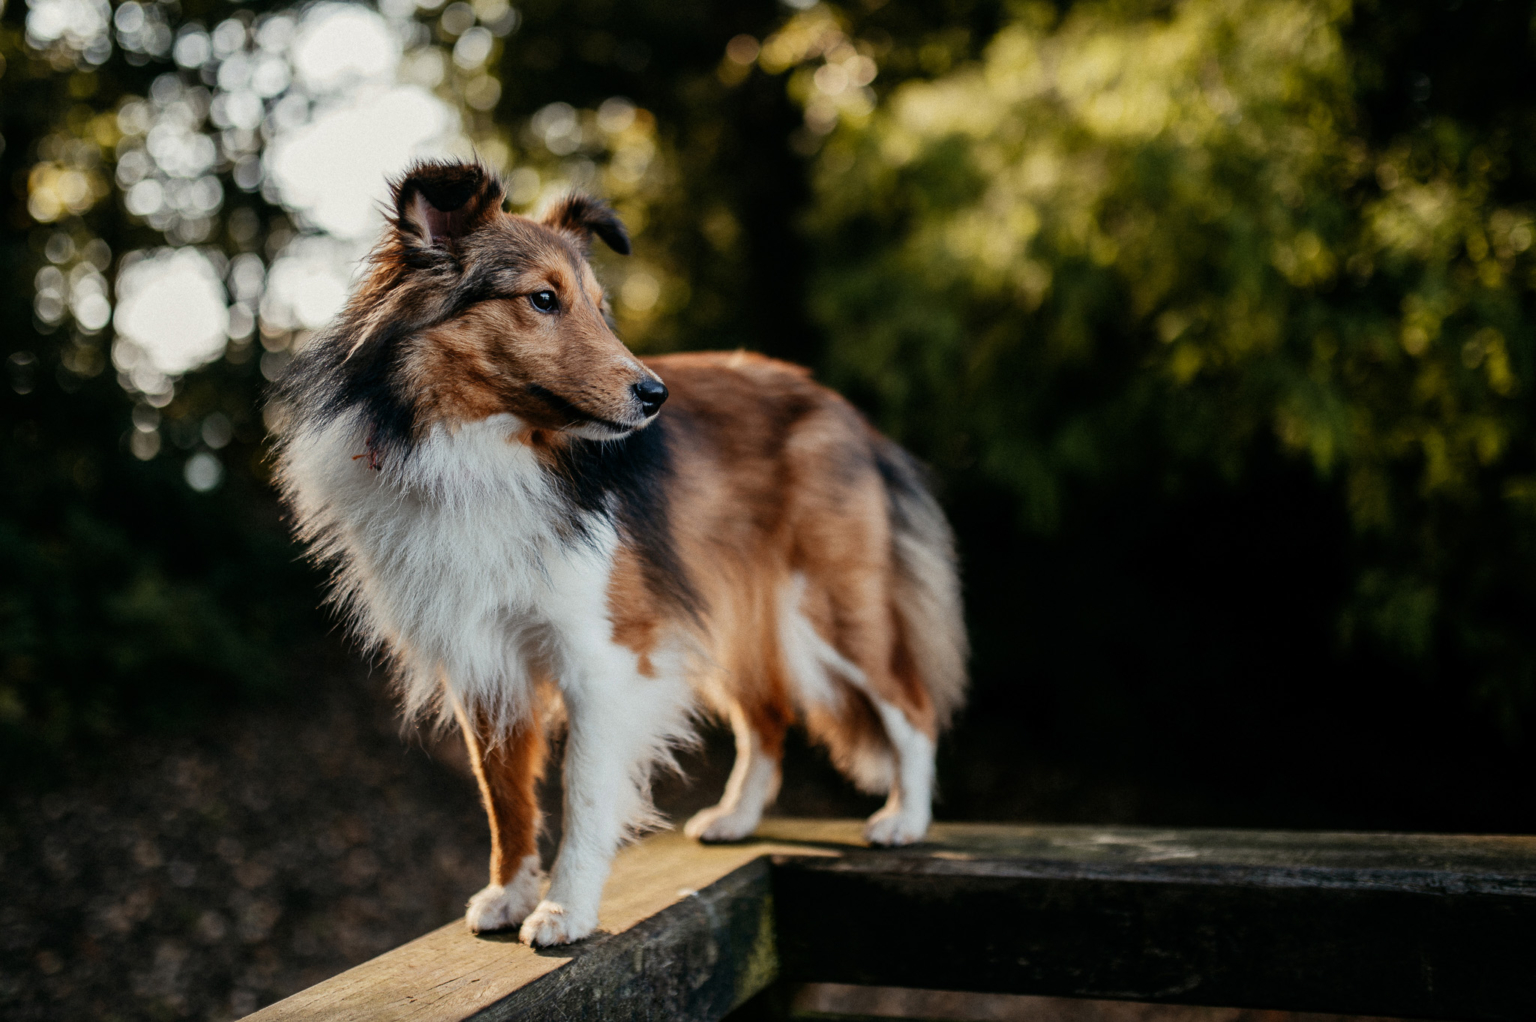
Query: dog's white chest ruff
column 464, row 559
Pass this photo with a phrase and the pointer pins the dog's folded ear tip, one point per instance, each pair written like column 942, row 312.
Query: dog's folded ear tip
column 584, row 216
column 440, row 201
column 617, row 240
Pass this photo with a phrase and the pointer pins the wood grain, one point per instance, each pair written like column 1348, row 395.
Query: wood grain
column 1428, row 926
column 668, row 880
column 1423, row 926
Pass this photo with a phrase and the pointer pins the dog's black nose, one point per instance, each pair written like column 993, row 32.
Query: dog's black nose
column 650, row 394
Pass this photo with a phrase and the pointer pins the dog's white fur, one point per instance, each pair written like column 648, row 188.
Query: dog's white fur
column 454, row 558
column 905, row 770
column 497, row 907
column 752, row 787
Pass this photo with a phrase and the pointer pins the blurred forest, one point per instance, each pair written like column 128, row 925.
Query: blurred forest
column 1214, row 318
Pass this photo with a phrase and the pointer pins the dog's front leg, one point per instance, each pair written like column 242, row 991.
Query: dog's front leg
column 618, row 726
column 507, row 767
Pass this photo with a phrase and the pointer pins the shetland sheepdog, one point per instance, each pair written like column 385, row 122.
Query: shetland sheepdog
column 535, row 525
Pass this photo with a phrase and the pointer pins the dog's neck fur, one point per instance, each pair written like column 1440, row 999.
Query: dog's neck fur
column 460, row 557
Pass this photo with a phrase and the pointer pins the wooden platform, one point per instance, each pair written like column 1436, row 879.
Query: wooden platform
column 1420, row 926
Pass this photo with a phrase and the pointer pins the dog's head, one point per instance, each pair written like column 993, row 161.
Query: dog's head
column 470, row 312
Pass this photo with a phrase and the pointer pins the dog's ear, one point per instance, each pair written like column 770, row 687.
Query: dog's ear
column 582, row 216
column 437, row 204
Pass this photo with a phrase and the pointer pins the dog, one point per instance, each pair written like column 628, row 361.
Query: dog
column 536, row 525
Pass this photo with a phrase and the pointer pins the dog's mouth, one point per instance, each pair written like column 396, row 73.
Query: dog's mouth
column 583, row 423
column 599, row 430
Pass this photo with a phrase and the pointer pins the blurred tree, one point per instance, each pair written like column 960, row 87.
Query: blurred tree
column 1139, row 235
column 127, row 597
column 171, row 237
column 1215, row 316
column 725, row 225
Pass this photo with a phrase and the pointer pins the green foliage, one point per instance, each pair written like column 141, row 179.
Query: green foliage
column 1142, row 234
column 127, row 600
column 1098, row 262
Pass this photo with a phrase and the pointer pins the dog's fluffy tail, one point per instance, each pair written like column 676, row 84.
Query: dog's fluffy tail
column 927, row 589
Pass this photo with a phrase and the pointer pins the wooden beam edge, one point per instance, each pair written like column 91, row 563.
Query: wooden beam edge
column 664, row 891
column 710, row 909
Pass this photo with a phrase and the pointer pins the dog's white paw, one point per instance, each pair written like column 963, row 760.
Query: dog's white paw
column 498, row 908
column 551, row 923
column 717, row 823
column 896, row 826
column 501, row 908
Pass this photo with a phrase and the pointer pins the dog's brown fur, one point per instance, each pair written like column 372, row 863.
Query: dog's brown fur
column 776, row 476
column 507, row 768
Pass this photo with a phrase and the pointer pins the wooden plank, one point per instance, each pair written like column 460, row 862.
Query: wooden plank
column 1425, row 926
column 1491, row 862
column 1411, row 925
column 688, row 934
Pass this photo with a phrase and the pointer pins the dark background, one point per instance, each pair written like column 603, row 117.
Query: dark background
column 1167, row 648
column 1186, row 609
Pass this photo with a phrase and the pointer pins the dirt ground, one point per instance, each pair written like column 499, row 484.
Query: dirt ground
column 204, row 877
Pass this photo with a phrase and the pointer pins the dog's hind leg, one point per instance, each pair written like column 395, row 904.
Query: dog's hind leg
column 754, row 781
column 908, row 809
column 890, row 749
column 869, row 657
column 507, row 768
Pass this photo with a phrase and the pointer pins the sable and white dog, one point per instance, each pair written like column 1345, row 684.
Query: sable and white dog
column 513, row 518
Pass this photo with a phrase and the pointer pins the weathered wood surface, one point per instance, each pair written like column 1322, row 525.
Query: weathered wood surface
column 1422, row 926
column 1426, row 926
column 688, row 934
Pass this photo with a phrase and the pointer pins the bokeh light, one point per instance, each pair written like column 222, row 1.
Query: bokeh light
column 334, row 169
column 343, row 44
column 171, row 309
column 203, row 472
column 310, row 111
column 307, row 284
column 79, row 24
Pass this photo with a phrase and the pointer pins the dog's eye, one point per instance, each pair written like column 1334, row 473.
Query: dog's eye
column 544, row 301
